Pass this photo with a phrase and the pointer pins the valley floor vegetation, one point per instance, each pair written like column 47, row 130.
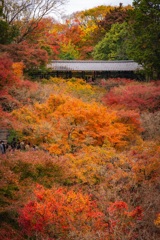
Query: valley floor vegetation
column 95, row 171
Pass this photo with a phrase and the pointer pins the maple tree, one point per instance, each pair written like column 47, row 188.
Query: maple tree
column 69, row 39
column 135, row 96
column 84, row 28
column 68, row 214
column 145, row 163
column 80, row 89
column 119, row 180
column 7, row 232
column 5, row 118
column 18, row 69
column 57, row 213
column 47, row 36
column 14, row 91
column 65, row 124
column 19, row 172
column 6, row 77
column 89, row 165
column 31, row 55
column 145, row 176
column 114, row 82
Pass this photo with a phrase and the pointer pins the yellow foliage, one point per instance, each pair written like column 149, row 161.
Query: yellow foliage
column 76, row 87
column 89, row 166
column 57, row 80
column 95, row 165
column 80, row 89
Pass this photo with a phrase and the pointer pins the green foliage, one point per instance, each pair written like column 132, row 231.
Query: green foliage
column 44, row 174
column 20, row 171
column 8, row 33
column 8, row 191
column 144, row 43
column 47, row 49
column 14, row 134
column 113, row 45
column 25, row 170
column 49, row 173
column 68, row 51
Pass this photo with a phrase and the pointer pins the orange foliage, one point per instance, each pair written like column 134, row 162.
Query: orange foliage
column 90, row 166
column 65, row 124
column 157, row 221
column 58, row 212
column 18, row 69
column 20, row 170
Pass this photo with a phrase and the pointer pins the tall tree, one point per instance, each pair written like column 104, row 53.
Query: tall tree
column 113, row 45
column 145, row 39
column 7, row 32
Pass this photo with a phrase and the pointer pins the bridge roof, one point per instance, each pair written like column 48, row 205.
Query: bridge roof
column 91, row 65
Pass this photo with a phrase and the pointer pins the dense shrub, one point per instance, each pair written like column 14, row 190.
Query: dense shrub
column 144, row 97
column 56, row 213
column 65, row 214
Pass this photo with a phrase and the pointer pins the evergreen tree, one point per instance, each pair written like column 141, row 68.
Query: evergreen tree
column 144, row 44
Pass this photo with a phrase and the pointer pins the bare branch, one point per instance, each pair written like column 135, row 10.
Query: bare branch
column 30, row 12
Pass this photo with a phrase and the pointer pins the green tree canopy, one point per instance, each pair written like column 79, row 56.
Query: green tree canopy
column 144, row 44
column 8, row 33
column 112, row 46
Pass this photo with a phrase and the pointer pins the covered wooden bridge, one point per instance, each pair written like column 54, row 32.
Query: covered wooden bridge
column 91, row 69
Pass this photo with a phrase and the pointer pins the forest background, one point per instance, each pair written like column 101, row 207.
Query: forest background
column 95, row 171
